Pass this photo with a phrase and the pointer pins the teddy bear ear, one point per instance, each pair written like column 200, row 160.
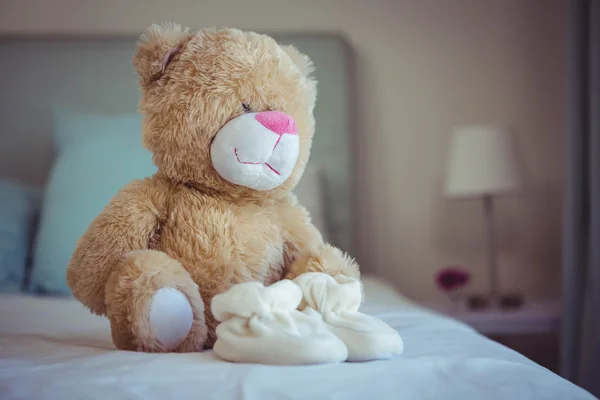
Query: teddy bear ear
column 156, row 47
column 302, row 61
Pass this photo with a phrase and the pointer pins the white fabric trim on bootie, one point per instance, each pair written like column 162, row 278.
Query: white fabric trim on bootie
column 337, row 300
column 262, row 325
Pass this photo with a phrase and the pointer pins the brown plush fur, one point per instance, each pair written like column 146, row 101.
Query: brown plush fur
column 186, row 227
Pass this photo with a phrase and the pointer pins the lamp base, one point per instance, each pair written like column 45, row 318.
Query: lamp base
column 511, row 301
column 478, row 302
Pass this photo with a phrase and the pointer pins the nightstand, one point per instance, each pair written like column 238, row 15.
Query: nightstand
column 535, row 317
column 533, row 329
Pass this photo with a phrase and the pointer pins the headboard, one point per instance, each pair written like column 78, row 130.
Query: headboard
column 95, row 74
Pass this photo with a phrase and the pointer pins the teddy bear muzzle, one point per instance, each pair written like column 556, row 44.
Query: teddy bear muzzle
column 256, row 150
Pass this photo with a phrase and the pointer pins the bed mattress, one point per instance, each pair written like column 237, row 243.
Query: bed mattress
column 53, row 348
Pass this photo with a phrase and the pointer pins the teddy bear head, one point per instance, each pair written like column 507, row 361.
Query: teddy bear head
column 225, row 110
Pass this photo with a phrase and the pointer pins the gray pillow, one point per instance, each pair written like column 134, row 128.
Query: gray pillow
column 309, row 192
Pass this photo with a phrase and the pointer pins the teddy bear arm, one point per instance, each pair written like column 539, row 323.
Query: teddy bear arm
column 129, row 222
column 305, row 250
column 323, row 258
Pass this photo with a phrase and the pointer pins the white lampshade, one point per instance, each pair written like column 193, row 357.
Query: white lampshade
column 482, row 161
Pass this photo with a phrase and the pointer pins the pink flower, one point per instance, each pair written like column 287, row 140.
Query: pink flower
column 452, row 278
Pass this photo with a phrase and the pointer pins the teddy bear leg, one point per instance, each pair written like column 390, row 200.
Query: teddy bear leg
column 154, row 305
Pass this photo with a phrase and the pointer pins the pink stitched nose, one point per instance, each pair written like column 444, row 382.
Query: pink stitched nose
column 278, row 122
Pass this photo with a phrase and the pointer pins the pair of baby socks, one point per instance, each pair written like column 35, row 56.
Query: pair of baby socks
column 311, row 320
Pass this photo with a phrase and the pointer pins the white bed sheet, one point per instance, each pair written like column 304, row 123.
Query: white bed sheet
column 54, row 349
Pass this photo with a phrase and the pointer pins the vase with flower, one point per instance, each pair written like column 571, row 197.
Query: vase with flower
column 452, row 281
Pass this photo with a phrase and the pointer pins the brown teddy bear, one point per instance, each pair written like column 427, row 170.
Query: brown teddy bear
column 228, row 117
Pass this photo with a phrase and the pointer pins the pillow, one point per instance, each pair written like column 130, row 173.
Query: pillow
column 309, row 192
column 71, row 128
column 18, row 208
column 98, row 155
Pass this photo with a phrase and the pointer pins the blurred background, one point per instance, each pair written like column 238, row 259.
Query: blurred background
column 419, row 69
column 399, row 81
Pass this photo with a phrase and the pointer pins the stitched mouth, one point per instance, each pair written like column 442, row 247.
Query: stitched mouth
column 254, row 163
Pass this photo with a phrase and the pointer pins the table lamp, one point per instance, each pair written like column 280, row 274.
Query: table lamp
column 483, row 164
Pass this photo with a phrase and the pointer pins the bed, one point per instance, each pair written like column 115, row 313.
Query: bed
column 53, row 348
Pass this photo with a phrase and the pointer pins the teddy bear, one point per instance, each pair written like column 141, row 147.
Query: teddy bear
column 228, row 118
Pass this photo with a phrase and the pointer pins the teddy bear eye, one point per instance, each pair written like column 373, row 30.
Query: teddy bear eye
column 246, row 107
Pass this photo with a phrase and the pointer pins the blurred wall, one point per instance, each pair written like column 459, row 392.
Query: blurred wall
column 422, row 66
